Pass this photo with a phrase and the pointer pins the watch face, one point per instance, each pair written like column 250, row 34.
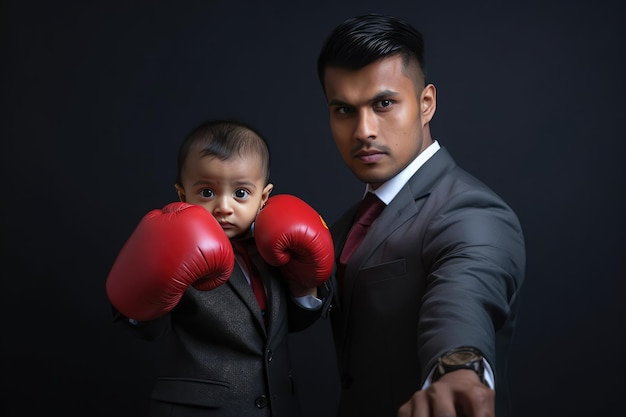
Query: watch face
column 460, row 358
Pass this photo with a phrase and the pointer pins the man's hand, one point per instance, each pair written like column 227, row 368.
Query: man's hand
column 456, row 394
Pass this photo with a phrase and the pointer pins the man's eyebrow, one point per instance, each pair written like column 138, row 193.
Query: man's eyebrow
column 380, row 96
column 335, row 102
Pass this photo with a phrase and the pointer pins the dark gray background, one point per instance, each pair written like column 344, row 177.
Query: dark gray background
column 96, row 96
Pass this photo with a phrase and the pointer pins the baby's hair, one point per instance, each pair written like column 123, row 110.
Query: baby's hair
column 224, row 139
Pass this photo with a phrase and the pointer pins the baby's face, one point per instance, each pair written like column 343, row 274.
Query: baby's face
column 233, row 190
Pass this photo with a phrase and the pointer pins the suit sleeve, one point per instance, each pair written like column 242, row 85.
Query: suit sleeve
column 145, row 330
column 301, row 318
column 474, row 250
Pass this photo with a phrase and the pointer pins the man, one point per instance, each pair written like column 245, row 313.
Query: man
column 425, row 307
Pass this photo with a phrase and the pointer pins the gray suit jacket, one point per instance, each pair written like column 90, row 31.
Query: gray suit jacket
column 219, row 359
column 440, row 268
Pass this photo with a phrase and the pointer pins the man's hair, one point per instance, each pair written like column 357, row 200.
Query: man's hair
column 361, row 40
column 224, row 139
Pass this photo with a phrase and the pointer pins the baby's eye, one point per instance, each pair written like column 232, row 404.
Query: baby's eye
column 207, row 193
column 241, row 193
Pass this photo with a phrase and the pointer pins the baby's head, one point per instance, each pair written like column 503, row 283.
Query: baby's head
column 224, row 166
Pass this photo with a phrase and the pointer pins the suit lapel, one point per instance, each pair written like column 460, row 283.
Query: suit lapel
column 401, row 209
column 241, row 287
column 273, row 289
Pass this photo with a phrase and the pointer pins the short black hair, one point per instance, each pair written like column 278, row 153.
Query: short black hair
column 361, row 40
column 224, row 139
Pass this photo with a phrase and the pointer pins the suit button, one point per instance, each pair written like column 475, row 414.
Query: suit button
column 261, row 401
column 269, row 355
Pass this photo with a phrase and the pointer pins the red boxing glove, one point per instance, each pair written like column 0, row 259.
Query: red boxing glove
column 290, row 234
column 170, row 249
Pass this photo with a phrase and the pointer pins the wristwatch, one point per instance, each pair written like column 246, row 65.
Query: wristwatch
column 460, row 358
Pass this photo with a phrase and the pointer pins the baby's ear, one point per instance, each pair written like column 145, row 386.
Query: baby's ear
column 266, row 193
column 181, row 192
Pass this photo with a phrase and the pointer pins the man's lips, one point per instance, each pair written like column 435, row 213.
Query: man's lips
column 369, row 156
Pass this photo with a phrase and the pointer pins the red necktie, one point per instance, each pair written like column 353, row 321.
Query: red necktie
column 241, row 248
column 370, row 208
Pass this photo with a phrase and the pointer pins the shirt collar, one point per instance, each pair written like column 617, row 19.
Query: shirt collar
column 388, row 190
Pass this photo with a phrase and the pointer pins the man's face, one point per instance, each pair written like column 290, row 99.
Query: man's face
column 232, row 190
column 378, row 118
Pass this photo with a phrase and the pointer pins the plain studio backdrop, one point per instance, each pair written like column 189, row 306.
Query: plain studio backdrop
column 97, row 95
